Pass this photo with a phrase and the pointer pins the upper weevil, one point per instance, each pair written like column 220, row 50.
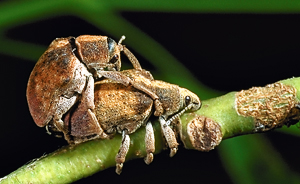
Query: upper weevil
column 66, row 72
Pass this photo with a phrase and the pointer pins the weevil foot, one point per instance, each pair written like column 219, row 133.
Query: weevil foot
column 173, row 151
column 149, row 158
column 119, row 168
column 149, row 143
column 47, row 130
column 120, row 158
column 169, row 135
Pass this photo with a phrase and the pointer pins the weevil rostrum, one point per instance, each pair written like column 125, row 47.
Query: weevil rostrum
column 124, row 109
column 67, row 71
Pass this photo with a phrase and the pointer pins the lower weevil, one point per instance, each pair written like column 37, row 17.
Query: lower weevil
column 124, row 109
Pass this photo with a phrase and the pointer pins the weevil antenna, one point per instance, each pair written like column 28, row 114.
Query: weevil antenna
column 121, row 39
column 179, row 114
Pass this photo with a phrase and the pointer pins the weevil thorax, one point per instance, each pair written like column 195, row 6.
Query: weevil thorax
column 98, row 52
column 168, row 95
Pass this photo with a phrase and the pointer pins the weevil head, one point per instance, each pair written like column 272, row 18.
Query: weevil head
column 189, row 99
column 114, row 50
column 188, row 102
column 98, row 52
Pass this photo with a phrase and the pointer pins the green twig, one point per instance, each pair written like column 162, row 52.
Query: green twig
column 236, row 113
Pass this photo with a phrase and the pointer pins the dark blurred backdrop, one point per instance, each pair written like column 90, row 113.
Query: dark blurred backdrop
column 224, row 51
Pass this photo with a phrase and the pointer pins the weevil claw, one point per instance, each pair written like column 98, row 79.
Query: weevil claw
column 173, row 151
column 119, row 168
column 149, row 158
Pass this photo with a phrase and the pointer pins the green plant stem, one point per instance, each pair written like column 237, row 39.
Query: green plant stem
column 72, row 163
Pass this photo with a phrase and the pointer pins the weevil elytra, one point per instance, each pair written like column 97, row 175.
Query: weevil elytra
column 124, row 109
column 66, row 72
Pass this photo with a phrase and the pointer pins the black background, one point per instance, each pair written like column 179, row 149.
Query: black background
column 226, row 52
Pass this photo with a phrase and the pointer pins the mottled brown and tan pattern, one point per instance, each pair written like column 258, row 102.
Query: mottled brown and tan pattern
column 119, row 107
column 124, row 109
column 64, row 76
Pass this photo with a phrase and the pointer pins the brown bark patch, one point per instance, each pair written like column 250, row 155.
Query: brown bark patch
column 204, row 133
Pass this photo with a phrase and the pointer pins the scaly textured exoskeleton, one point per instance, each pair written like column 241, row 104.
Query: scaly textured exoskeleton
column 124, row 109
column 64, row 76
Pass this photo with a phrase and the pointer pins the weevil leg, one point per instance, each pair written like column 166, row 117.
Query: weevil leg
column 159, row 110
column 83, row 121
column 149, row 143
column 169, row 135
column 132, row 58
column 64, row 104
column 47, row 130
column 120, row 158
column 115, row 75
column 88, row 93
column 123, row 79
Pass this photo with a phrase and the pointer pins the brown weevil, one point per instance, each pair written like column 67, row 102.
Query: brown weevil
column 124, row 109
column 66, row 73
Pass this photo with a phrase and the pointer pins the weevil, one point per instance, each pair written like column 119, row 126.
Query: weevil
column 124, row 109
column 66, row 73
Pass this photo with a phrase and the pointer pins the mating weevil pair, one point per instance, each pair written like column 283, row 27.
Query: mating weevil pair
column 66, row 72
column 62, row 96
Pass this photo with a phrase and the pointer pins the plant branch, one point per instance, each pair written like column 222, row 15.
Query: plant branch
column 258, row 109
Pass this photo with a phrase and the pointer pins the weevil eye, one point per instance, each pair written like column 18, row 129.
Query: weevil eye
column 187, row 100
column 114, row 59
column 111, row 46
